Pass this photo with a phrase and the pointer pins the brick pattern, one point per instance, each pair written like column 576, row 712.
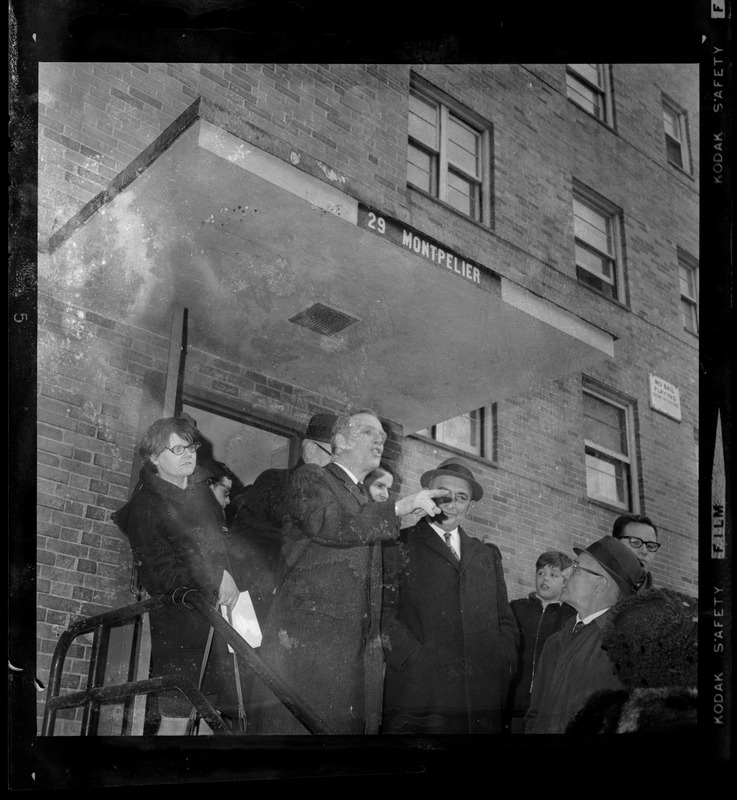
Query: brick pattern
column 94, row 119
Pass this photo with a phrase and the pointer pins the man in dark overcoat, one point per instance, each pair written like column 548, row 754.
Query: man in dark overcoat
column 573, row 664
column 322, row 632
column 450, row 638
column 255, row 530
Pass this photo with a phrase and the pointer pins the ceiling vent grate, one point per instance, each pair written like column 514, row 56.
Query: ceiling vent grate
column 324, row 319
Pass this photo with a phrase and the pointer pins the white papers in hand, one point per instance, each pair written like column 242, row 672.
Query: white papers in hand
column 243, row 619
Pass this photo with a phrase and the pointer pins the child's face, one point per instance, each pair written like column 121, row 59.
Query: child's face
column 549, row 582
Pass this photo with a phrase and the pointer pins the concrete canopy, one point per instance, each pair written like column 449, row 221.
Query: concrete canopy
column 246, row 240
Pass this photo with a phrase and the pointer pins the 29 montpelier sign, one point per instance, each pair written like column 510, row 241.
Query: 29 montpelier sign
column 441, row 255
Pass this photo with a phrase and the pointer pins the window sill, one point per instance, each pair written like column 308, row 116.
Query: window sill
column 447, row 206
column 454, row 450
column 614, row 300
column 603, row 123
column 682, row 170
column 610, row 506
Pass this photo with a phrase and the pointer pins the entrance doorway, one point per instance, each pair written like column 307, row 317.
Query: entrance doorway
column 246, row 448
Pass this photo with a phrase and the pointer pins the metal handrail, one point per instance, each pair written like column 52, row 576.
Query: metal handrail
column 95, row 694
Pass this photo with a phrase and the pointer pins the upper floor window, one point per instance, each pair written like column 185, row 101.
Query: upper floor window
column 609, row 448
column 688, row 275
column 472, row 432
column 596, row 228
column 674, row 123
column 587, row 85
column 447, row 154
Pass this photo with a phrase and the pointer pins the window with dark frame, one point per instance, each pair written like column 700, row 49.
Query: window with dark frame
column 473, row 432
column 445, row 154
column 587, row 85
column 688, row 276
column 596, row 227
column 247, row 446
column 674, row 124
column 608, row 450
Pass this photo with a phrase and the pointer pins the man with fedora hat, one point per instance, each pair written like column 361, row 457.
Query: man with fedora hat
column 573, row 664
column 256, row 525
column 449, row 635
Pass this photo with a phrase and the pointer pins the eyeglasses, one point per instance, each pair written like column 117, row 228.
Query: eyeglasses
column 324, row 450
column 576, row 566
column 636, row 543
column 178, row 449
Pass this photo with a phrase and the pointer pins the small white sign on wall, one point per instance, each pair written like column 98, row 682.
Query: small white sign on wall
column 665, row 397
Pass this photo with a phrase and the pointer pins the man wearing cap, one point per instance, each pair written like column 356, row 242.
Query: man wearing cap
column 449, row 636
column 322, row 634
column 256, row 524
column 573, row 664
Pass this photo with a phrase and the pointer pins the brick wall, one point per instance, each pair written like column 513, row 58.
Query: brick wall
column 91, row 373
column 95, row 118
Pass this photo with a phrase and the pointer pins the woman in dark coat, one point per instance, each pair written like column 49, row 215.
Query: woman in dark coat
column 175, row 527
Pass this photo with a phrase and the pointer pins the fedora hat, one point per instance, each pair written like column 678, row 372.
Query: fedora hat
column 619, row 560
column 319, row 428
column 458, row 469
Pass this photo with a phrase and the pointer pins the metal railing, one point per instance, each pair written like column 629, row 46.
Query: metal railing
column 96, row 695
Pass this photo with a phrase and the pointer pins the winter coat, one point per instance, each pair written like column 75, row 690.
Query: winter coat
column 572, row 667
column 176, row 536
column 660, row 710
column 255, row 535
column 322, row 632
column 449, row 636
column 535, row 625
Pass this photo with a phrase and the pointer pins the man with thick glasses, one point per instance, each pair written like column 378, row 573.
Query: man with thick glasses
column 640, row 533
column 573, row 664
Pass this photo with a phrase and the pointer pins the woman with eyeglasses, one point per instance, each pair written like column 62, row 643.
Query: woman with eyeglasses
column 176, row 535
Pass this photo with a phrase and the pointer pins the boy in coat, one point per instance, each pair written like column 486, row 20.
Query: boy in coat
column 538, row 615
column 449, row 636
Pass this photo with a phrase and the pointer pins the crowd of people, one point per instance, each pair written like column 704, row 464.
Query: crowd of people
column 382, row 613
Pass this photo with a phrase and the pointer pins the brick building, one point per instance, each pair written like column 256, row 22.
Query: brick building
column 502, row 260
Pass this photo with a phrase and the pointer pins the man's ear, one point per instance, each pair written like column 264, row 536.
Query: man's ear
column 341, row 443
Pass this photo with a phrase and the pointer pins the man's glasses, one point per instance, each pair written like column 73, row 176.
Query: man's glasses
column 576, row 566
column 636, row 543
column 324, row 450
column 178, row 449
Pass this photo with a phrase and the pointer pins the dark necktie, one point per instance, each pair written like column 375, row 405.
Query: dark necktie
column 362, row 489
column 449, row 542
column 577, row 627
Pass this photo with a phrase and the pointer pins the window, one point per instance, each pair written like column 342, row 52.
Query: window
column 472, row 433
column 674, row 122
column 688, row 275
column 607, row 434
column 596, row 226
column 246, row 449
column 587, row 85
column 446, row 155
